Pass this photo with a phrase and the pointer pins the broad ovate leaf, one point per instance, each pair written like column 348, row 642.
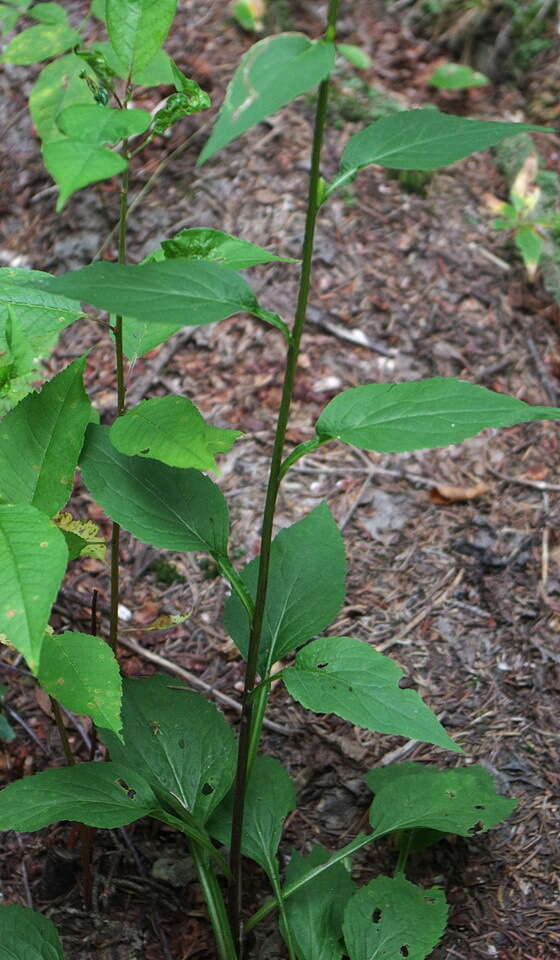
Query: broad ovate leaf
column 159, row 70
column 271, row 74
column 269, row 799
column 48, row 13
column 41, row 316
column 315, row 915
column 410, row 795
column 98, row 794
column 33, row 557
column 41, row 440
column 422, row 139
column 58, row 86
column 305, row 588
column 93, row 123
column 201, row 243
column 74, row 164
column 391, row 918
column 28, row 935
column 81, row 672
column 40, row 43
column 397, row 417
column 179, row 741
column 346, row 676
column 138, row 28
column 172, row 430
column 457, row 76
column 164, row 506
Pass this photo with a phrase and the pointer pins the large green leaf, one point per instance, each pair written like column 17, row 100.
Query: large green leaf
column 163, row 297
column 93, row 123
column 410, row 795
column 164, row 506
column 391, row 918
column 315, row 915
column 137, row 29
column 27, row 935
column 82, row 673
column 421, row 140
column 57, row 87
column 396, row 417
column 305, row 588
column 41, row 316
column 33, row 556
column 98, row 794
column 172, row 430
column 74, row 164
column 39, row 43
column 270, row 75
column 201, row 243
column 346, row 676
column 41, row 439
column 49, row 13
column 269, row 799
column 180, row 743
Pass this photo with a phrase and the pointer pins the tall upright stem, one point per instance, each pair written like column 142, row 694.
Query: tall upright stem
column 247, row 716
column 121, row 403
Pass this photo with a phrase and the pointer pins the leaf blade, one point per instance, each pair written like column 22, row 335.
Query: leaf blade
column 28, row 935
column 137, row 30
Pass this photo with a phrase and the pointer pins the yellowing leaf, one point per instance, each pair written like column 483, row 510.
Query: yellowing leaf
column 92, row 544
column 165, row 622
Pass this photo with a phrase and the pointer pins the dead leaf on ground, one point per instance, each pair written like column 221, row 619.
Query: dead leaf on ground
column 444, row 493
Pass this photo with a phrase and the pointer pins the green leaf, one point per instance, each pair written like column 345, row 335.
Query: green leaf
column 179, row 742
column 137, row 29
column 315, row 915
column 391, row 918
column 41, row 440
column 410, row 795
column 244, row 12
column 18, row 366
column 9, row 17
column 166, row 507
column 57, row 87
column 530, row 247
column 163, row 297
column 397, row 417
column 346, row 676
column 39, row 43
column 81, row 672
column 270, row 75
column 33, row 558
column 270, row 798
column 180, row 105
column 73, row 165
column 305, row 590
column 159, row 71
column 421, row 140
column 354, row 55
column 172, row 430
column 93, row 123
column 41, row 316
column 97, row 9
column 98, row 794
column 6, row 732
column 51, row 13
column 27, row 935
column 457, row 76
column 200, row 243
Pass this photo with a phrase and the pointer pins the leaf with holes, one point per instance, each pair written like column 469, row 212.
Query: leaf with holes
column 81, row 672
column 421, row 414
column 179, row 741
column 315, row 915
column 410, row 795
column 28, row 935
column 164, row 506
column 391, row 919
column 93, row 123
column 305, row 591
column 201, row 243
column 33, row 557
column 138, row 29
column 345, row 676
column 40, row 43
column 270, row 798
column 270, row 75
column 172, row 430
column 41, row 316
column 41, row 440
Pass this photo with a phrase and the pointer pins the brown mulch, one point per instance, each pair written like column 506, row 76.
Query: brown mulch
column 464, row 595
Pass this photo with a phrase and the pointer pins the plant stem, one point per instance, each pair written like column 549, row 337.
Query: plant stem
column 57, row 713
column 215, row 903
column 121, row 403
column 404, row 854
column 248, row 726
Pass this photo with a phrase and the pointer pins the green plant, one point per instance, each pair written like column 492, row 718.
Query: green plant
column 174, row 758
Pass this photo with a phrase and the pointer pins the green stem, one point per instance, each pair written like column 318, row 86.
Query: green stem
column 275, row 882
column 404, row 854
column 228, row 571
column 300, row 451
column 121, row 405
column 360, row 841
column 248, row 726
column 215, row 904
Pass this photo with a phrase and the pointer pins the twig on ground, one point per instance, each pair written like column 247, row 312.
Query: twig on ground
column 320, row 319
column 24, row 876
column 399, row 637
column 534, row 484
column 16, row 717
column 542, row 372
column 155, row 366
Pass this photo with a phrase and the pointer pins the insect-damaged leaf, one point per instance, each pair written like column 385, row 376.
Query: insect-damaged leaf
column 28, row 935
column 201, row 243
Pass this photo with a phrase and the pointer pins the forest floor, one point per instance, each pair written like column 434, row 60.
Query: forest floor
column 465, row 595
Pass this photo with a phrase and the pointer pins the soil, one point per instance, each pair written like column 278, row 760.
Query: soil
column 465, row 595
